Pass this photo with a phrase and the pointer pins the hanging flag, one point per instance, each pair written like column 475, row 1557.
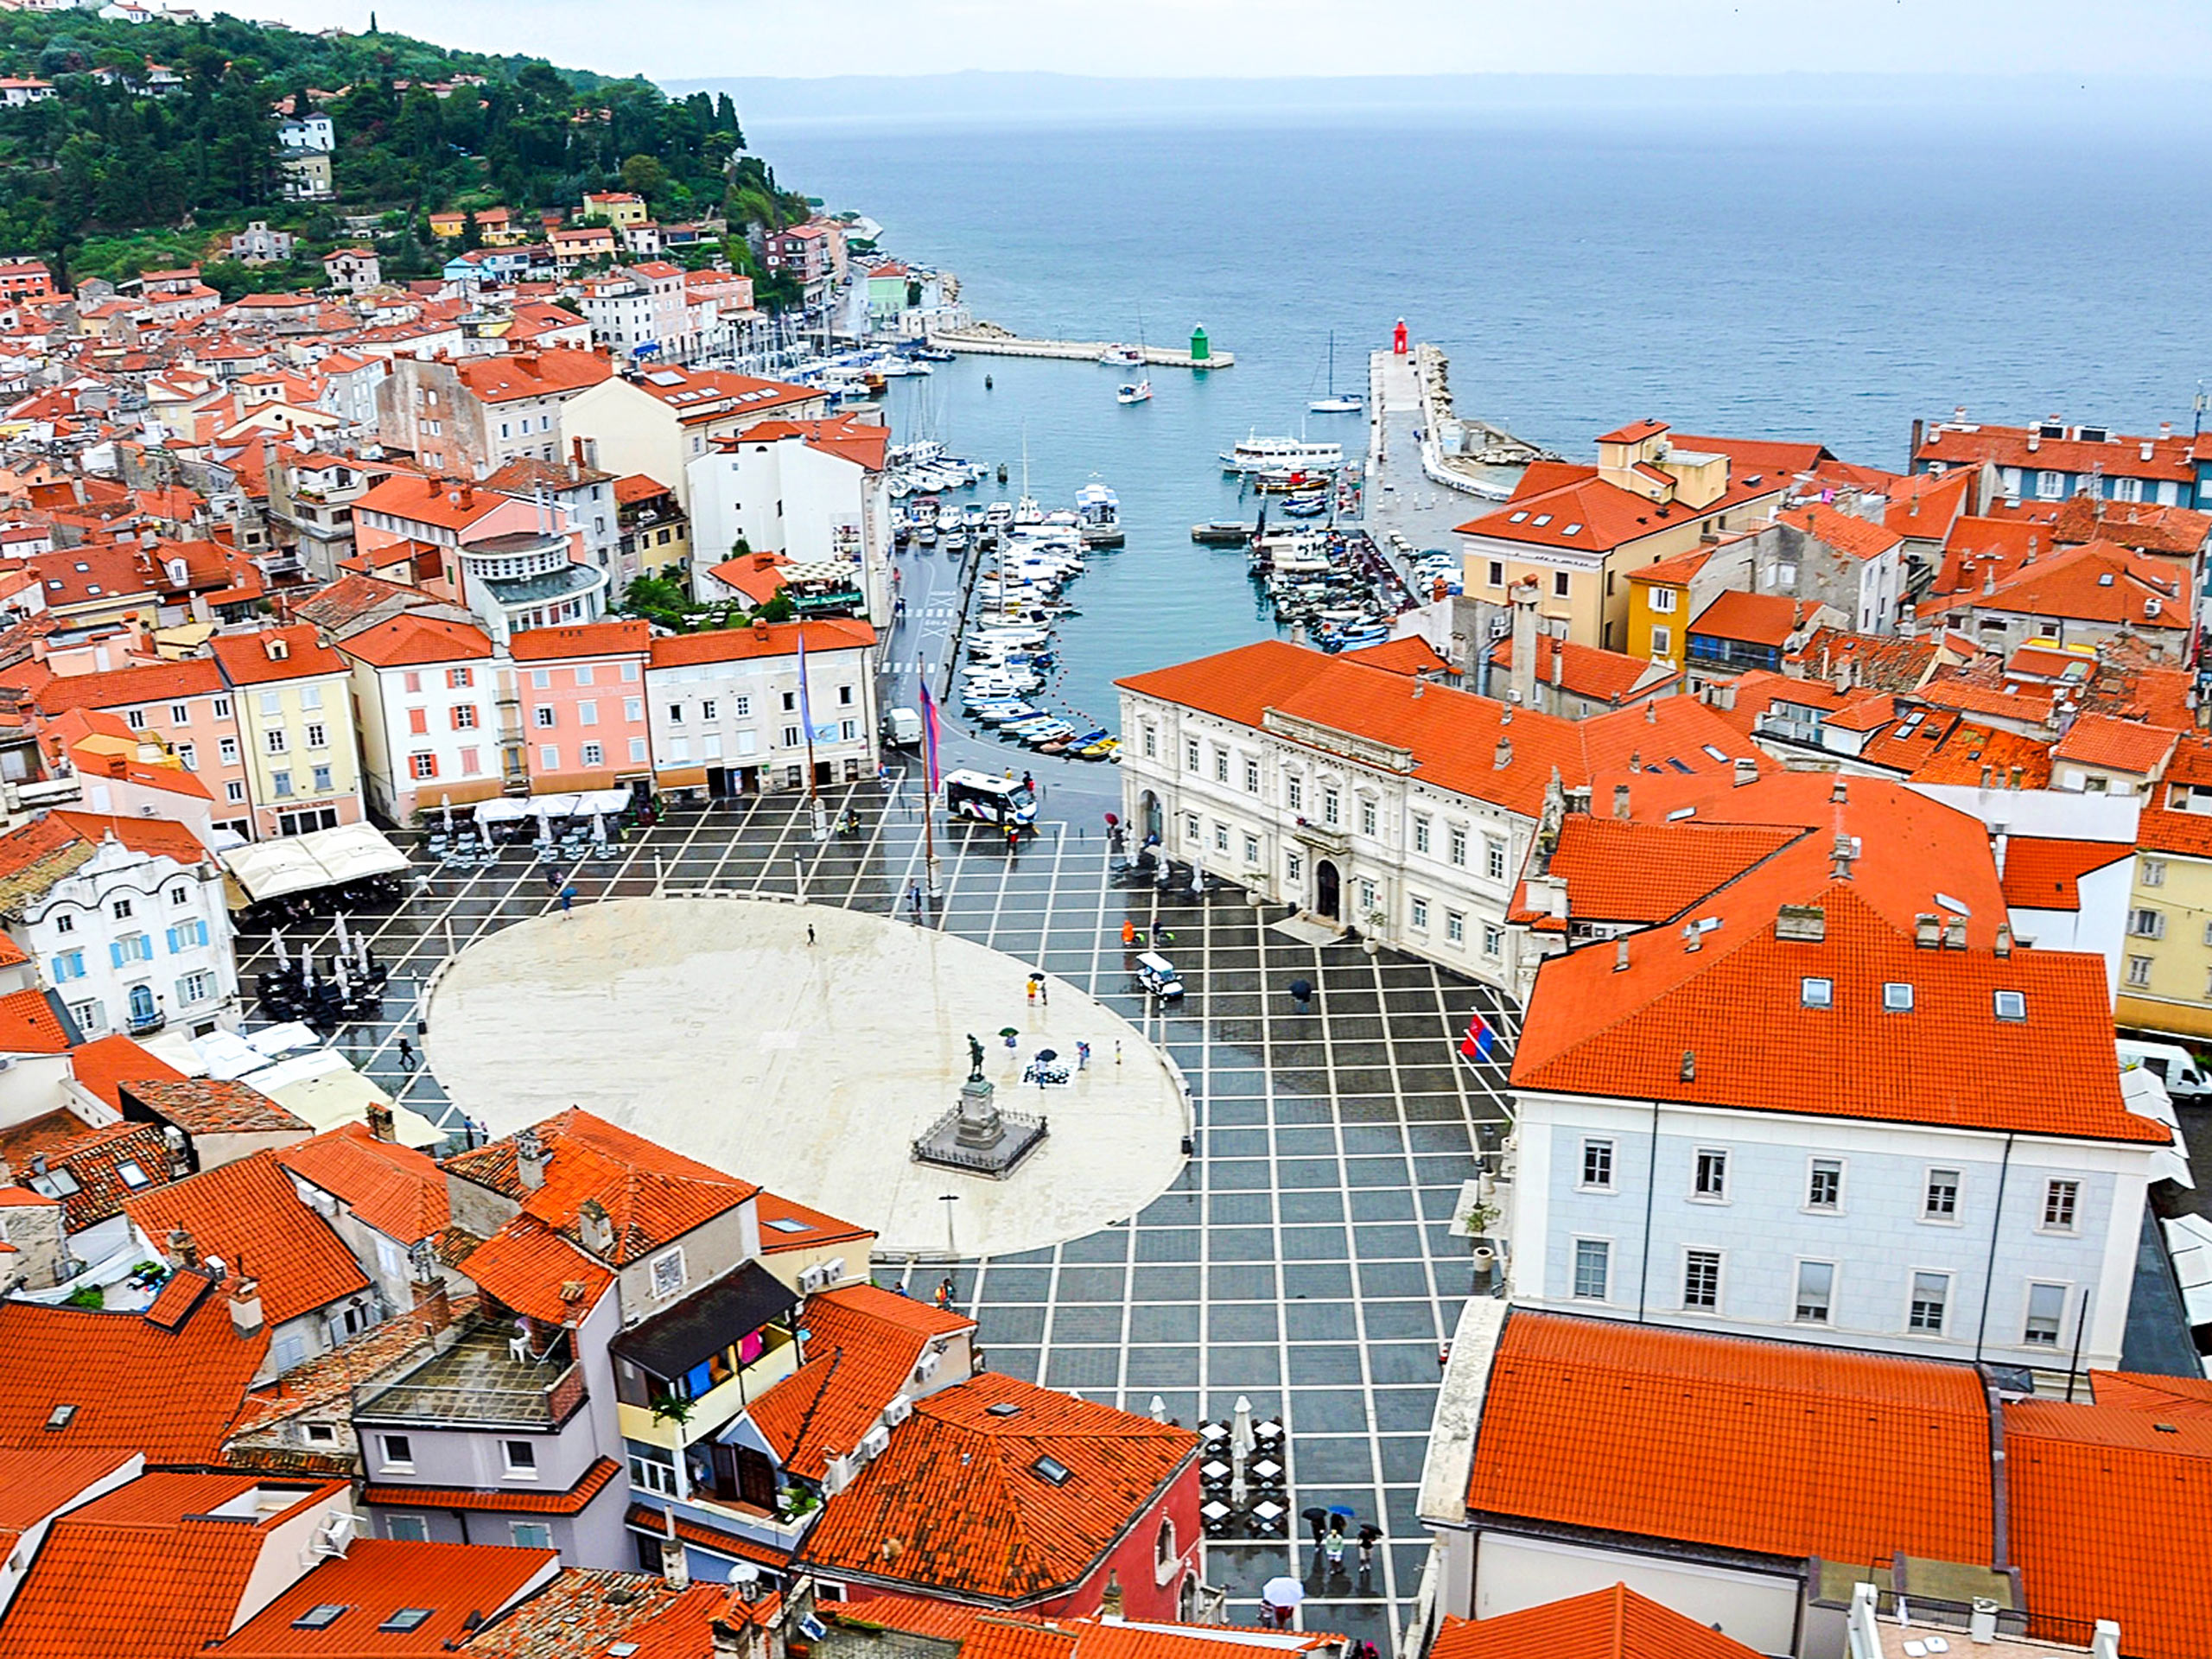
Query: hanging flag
column 928, row 740
column 805, row 713
column 1479, row 1041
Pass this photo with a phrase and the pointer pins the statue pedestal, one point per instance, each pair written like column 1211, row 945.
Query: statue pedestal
column 980, row 1124
column 976, row 1136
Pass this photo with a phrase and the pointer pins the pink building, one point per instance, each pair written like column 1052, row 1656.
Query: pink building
column 582, row 693
column 186, row 706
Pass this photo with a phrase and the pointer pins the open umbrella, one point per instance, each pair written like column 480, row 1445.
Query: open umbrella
column 1046, row 1055
column 1284, row 1593
column 544, row 823
column 598, row 829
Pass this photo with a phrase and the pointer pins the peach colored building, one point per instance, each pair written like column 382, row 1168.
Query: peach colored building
column 582, row 694
column 185, row 706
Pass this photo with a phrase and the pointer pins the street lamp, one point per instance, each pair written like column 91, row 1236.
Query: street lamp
column 948, row 1199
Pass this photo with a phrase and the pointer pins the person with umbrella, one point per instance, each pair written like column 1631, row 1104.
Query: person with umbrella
column 1279, row 1599
column 1318, row 1518
column 1369, row 1535
column 1301, row 994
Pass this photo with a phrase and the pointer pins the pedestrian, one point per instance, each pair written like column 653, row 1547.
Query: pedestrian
column 553, row 880
column 1118, row 1051
column 1334, row 1548
column 1027, row 782
column 1129, row 934
column 809, row 935
column 1083, row 1057
column 1317, row 1518
column 1301, row 995
column 1043, row 990
column 1369, row 1534
column 944, row 1292
column 567, row 900
column 1031, row 985
column 406, row 1055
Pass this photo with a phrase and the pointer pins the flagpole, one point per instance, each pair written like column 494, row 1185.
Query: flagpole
column 819, row 825
column 929, row 788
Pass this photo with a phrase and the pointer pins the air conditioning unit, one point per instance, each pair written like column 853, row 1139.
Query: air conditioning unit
column 926, row 1367
column 836, row 1474
column 832, row 1271
column 875, row 1442
column 898, row 1411
column 810, row 1282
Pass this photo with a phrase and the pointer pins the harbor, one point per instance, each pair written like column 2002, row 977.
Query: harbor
column 988, row 339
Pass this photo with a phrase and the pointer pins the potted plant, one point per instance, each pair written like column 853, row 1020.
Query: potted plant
column 1376, row 921
column 671, row 1409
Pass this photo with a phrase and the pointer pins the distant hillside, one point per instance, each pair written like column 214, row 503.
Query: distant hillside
column 162, row 135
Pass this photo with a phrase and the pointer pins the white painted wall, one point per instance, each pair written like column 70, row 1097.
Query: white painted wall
column 1512, row 1573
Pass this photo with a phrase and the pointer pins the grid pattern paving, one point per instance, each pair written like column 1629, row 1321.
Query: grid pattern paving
column 1302, row 1259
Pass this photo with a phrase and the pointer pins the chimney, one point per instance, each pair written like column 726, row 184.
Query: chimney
column 1635, row 760
column 1523, row 683
column 1989, row 581
column 1801, row 923
column 1927, row 930
column 530, row 1159
column 1620, row 800
column 596, row 1227
column 2004, row 938
column 381, row 1125
column 1955, row 933
column 1689, row 1065
column 1693, row 938
column 2014, row 782
column 674, row 1567
column 1651, row 711
column 1747, row 770
column 1109, row 1603
column 1503, row 757
column 2035, row 441
column 1839, row 791
column 433, row 1304
column 1982, row 1622
column 182, row 1248
column 180, row 1151
column 245, row 1305
column 2000, row 839
column 1620, row 954
column 467, row 494
column 1841, row 854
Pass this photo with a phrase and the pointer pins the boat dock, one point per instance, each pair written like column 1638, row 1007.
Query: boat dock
column 988, row 339
column 1428, row 469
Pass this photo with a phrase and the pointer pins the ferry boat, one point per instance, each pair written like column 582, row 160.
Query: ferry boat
column 1259, row 455
column 1134, row 392
column 1098, row 511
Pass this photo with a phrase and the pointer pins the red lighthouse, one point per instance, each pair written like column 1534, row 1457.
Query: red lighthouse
column 1398, row 338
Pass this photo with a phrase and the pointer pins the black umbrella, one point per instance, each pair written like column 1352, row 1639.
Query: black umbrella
column 1301, row 988
column 1046, row 1055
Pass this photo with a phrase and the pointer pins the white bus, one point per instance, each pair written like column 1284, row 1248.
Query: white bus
column 988, row 799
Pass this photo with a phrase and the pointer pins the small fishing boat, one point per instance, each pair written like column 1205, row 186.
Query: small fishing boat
column 1306, row 506
column 1133, row 391
column 1098, row 515
column 1222, row 532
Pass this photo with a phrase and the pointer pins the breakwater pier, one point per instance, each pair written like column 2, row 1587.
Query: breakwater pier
column 988, row 339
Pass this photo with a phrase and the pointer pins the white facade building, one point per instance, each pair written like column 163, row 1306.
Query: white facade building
column 726, row 713
column 137, row 935
column 809, row 490
column 1403, row 809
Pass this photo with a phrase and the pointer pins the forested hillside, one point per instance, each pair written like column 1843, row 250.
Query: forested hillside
column 121, row 170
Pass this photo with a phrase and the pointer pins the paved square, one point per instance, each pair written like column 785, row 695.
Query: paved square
column 1303, row 1258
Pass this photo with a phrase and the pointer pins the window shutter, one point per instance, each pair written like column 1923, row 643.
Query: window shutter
column 173, row 946
column 115, row 955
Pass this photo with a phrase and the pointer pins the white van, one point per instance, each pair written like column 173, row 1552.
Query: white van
column 902, row 727
column 2170, row 1064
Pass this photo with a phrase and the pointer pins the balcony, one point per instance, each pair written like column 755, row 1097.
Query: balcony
column 482, row 1379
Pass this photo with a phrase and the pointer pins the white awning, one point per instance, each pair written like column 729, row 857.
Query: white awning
column 324, row 858
column 602, row 800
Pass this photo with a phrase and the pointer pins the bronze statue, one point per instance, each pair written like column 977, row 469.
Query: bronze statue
column 974, row 1060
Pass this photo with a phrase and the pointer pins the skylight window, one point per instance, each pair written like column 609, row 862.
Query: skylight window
column 786, row 1224
column 1002, row 1409
column 320, row 1617
column 133, row 1177
column 1716, row 753
column 1572, row 529
column 56, row 1184
column 1816, row 993
column 1517, row 517
column 2012, row 1005
column 1052, row 1470
column 405, row 1619
column 1542, row 519
column 61, row 1416
column 1897, row 997
column 1949, row 903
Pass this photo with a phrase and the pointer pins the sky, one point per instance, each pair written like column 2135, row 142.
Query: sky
column 694, row 39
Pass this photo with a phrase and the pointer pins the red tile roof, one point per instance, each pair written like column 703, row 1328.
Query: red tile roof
column 653, row 1196
column 585, row 1611
column 96, row 1159
column 396, row 1189
column 1620, row 870
column 1634, row 432
column 2042, row 872
column 957, row 1502
column 105, row 1062
column 138, row 1386
column 761, row 639
column 549, row 372
column 1736, row 1006
column 581, row 639
column 410, row 641
column 127, row 688
column 1860, row 538
column 213, row 1106
column 2123, row 745
column 862, row 442
column 2161, row 1396
column 575, row 1501
column 1608, row 676
column 864, row 1345
column 533, row 1269
column 1615, row 1624
column 1779, row 1448
column 1756, row 619
column 246, row 661
column 811, row 1229
column 36, row 1481
column 2108, row 1518
column 377, row 1578
column 644, row 1518
column 1454, row 736
column 2010, row 446
column 156, row 837
column 1409, row 655
column 1582, row 510
column 249, row 1215
column 2097, row 581
column 145, row 1570
column 30, row 1026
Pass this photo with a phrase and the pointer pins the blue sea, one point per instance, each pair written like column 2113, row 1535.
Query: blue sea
column 1736, row 271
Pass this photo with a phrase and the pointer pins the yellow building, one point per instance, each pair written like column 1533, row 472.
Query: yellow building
column 1660, row 607
column 2165, row 982
column 448, row 227
column 291, row 697
column 1580, row 531
column 617, row 208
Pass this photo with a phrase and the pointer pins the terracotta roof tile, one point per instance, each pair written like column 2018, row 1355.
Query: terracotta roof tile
column 2123, row 745
column 575, row 1501
column 101, row 1162
column 807, row 1229
column 245, row 659
column 581, row 639
column 959, row 1493
column 1615, row 1624
column 213, row 1106
column 396, row 1189
column 533, row 1269
column 644, row 1518
column 1780, row 1448
column 127, row 688
column 410, row 640
column 29, row 1025
column 374, row 1579
column 1620, row 870
column 171, row 1394
column 1861, row 539
column 1758, row 619
column 761, row 639
column 864, row 1346
column 2042, row 873
column 249, row 1214
column 586, row 1610
column 106, row 1062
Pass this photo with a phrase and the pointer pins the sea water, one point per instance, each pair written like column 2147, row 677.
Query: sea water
column 1828, row 280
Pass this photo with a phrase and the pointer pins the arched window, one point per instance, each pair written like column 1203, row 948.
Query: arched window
column 1163, row 1546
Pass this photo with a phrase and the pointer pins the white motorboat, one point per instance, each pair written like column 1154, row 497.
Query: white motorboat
column 1121, row 357
column 999, row 514
column 1027, row 511
column 1288, row 455
column 955, row 541
column 974, row 516
column 1098, row 513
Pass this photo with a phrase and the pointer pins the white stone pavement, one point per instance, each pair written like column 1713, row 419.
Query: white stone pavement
column 712, row 1027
